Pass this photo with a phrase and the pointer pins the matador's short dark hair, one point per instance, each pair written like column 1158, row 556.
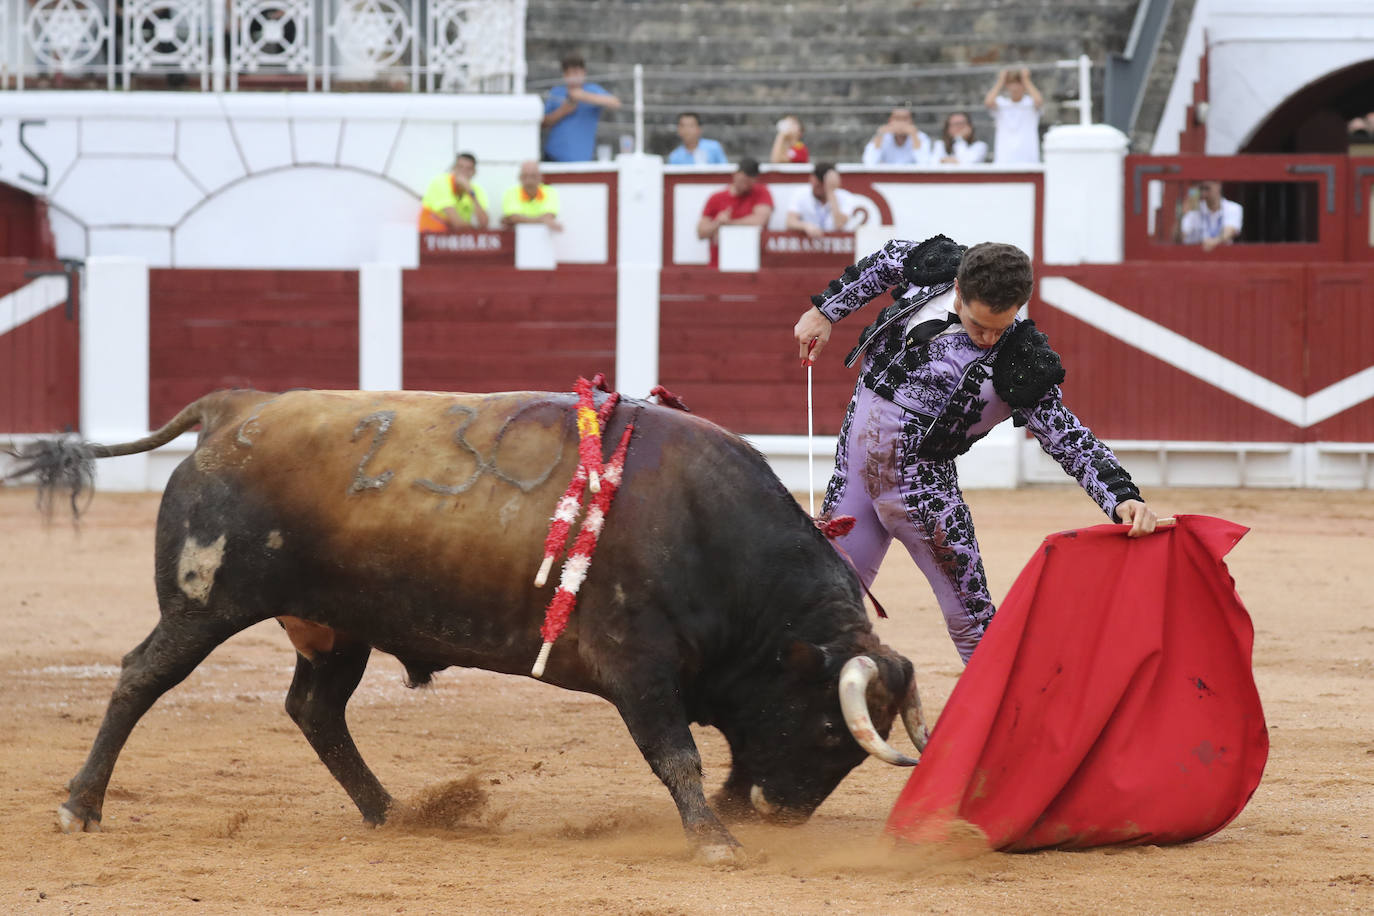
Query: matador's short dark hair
column 997, row 275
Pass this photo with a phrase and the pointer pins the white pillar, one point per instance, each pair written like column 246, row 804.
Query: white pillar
column 399, row 243
column 1084, row 194
column 640, row 260
column 379, row 327
column 114, row 365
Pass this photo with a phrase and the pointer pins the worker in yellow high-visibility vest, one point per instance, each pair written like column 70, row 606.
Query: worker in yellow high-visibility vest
column 453, row 200
column 531, row 201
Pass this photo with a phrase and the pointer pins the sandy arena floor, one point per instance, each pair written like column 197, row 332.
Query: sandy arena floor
column 218, row 804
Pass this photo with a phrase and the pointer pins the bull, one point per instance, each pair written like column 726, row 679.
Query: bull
column 412, row 523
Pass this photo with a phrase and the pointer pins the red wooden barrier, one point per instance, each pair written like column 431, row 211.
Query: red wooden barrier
column 725, row 346
column 1315, row 207
column 24, row 229
column 493, row 329
column 1301, row 327
column 1339, row 330
column 264, row 329
column 40, row 360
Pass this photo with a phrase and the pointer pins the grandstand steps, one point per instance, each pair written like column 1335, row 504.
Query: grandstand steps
column 839, row 65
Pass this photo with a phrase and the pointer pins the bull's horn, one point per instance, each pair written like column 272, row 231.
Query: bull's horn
column 914, row 718
column 854, row 679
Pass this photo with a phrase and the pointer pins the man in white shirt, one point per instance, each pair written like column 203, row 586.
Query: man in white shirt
column 823, row 207
column 1015, row 104
column 1209, row 219
column 898, row 142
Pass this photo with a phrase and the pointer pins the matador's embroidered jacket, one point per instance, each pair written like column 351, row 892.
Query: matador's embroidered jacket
column 954, row 391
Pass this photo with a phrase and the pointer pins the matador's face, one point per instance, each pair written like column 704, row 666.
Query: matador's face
column 983, row 326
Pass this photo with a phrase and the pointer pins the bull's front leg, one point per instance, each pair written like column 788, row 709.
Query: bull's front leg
column 658, row 724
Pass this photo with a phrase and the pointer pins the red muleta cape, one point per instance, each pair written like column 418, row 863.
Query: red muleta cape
column 1110, row 703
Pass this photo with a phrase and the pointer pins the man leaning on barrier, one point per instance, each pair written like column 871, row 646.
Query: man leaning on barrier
column 454, row 200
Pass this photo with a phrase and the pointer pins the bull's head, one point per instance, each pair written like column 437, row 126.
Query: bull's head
column 809, row 727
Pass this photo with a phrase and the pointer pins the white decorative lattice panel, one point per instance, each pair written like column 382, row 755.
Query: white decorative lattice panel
column 67, row 35
column 165, row 35
column 470, row 46
column 271, row 35
column 371, row 35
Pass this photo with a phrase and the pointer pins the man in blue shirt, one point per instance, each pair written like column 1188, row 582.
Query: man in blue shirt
column 572, row 112
column 694, row 148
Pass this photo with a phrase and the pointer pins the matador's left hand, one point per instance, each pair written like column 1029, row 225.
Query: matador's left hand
column 1139, row 516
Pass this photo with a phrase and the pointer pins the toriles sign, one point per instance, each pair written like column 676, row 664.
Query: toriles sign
column 473, row 246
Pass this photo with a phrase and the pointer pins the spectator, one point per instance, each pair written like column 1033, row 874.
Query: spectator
column 957, row 145
column 1016, row 112
column 572, row 113
column 898, row 142
column 453, row 200
column 745, row 202
column 823, row 207
column 695, row 149
column 1360, row 130
column 788, row 145
column 1209, row 219
column 530, row 200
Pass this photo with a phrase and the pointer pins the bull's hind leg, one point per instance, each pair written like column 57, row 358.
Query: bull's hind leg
column 172, row 651
column 316, row 701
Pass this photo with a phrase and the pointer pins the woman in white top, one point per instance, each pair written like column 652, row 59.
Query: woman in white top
column 957, row 145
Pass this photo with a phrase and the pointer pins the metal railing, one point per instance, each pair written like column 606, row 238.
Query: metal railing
column 1082, row 63
column 417, row 45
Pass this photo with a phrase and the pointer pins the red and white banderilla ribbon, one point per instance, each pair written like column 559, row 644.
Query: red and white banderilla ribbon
column 580, row 557
column 566, row 511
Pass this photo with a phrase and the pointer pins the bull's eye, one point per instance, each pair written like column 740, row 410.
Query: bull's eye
column 832, row 735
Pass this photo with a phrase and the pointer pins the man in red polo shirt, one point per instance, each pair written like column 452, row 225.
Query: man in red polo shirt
column 746, row 202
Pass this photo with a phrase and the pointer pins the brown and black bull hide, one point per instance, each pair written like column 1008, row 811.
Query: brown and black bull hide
column 414, row 522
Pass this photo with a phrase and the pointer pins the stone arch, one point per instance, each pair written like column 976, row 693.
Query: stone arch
column 303, row 216
column 1313, row 118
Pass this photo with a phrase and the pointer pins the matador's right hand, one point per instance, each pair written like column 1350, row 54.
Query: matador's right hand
column 813, row 333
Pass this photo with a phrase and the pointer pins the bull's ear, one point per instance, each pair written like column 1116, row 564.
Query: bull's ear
column 802, row 658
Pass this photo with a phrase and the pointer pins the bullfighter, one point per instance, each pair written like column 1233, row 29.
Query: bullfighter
column 941, row 366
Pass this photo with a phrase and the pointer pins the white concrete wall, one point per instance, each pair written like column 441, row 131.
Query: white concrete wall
column 253, row 179
column 1261, row 52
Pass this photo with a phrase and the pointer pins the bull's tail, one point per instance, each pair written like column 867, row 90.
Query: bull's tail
column 67, row 463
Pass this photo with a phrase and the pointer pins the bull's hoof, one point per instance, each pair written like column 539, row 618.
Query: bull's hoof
column 722, row 855
column 68, row 822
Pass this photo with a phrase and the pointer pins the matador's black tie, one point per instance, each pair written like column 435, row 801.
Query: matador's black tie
column 928, row 330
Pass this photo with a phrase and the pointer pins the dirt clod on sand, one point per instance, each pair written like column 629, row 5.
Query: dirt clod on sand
column 453, row 805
